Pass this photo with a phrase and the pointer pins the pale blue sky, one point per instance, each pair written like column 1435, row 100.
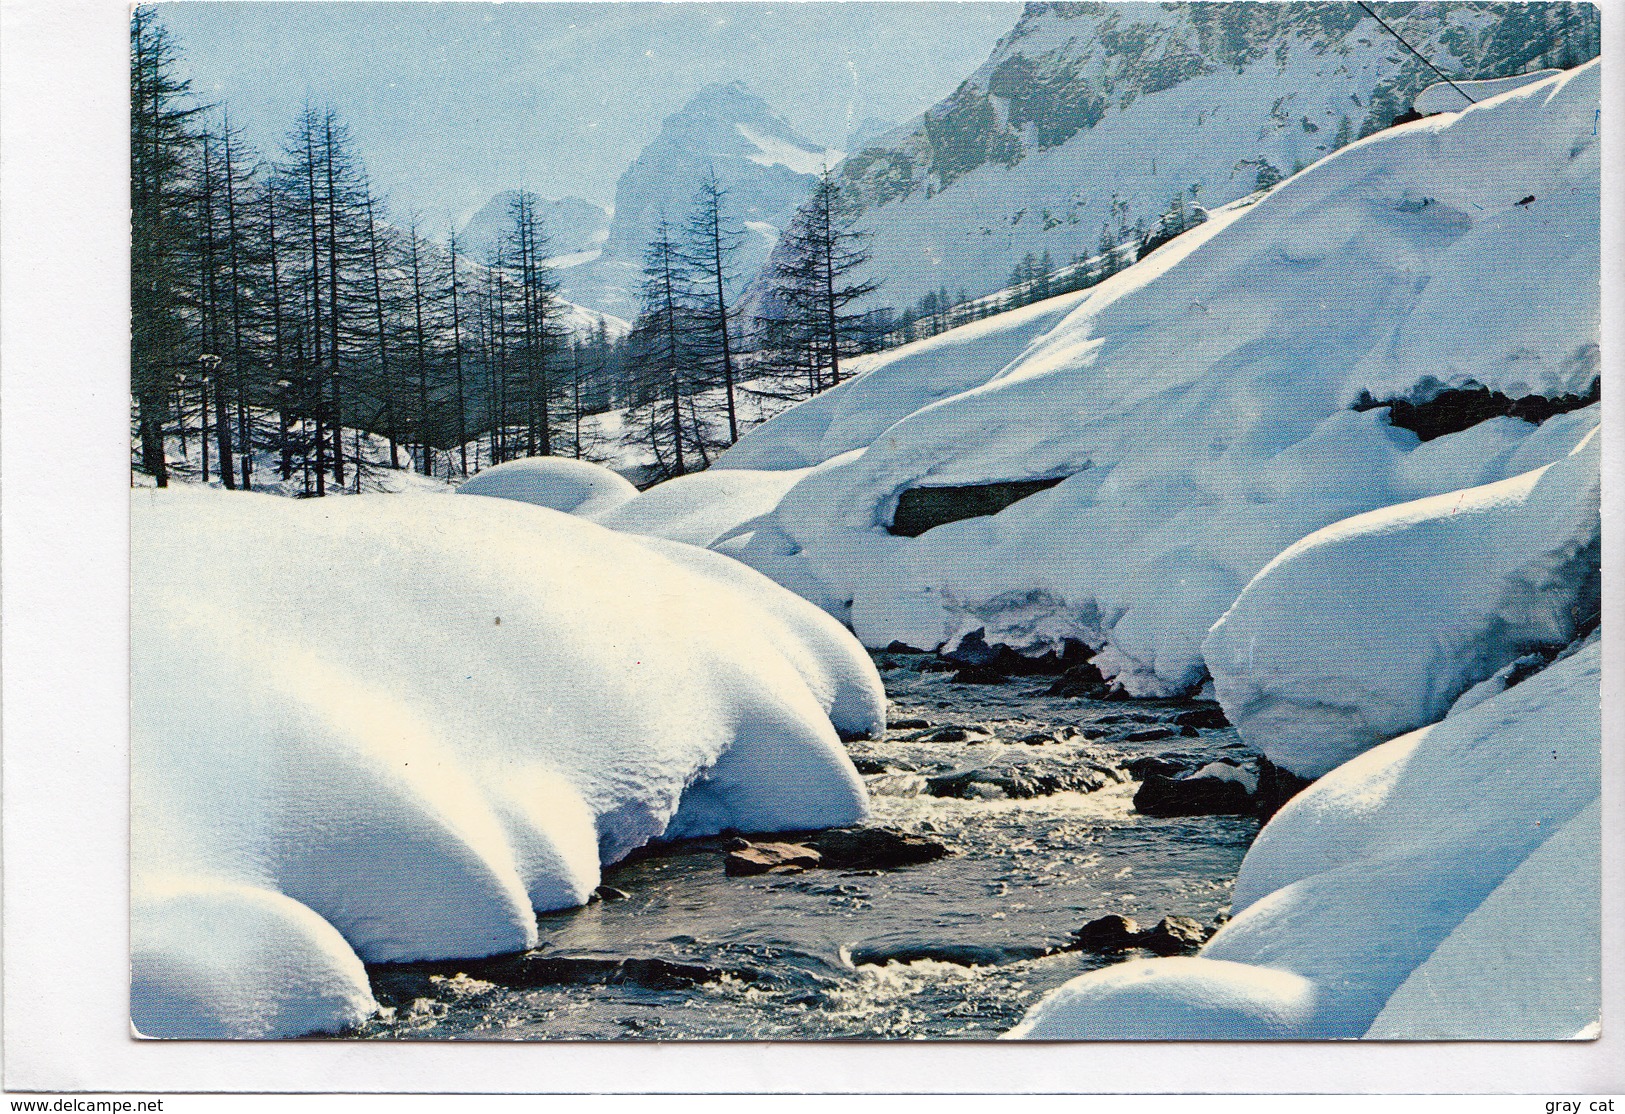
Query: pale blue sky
column 450, row 102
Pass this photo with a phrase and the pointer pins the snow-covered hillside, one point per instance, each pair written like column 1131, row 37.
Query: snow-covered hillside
column 766, row 168
column 391, row 727
column 1084, row 106
column 1213, row 404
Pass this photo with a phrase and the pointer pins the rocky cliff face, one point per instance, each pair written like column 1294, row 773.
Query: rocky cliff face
column 1087, row 114
column 758, row 158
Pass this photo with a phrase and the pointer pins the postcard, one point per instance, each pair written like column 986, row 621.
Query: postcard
column 893, row 521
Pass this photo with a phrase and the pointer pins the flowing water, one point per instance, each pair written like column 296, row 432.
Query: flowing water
column 956, row 948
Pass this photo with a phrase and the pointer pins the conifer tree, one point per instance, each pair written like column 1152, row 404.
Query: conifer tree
column 162, row 226
column 712, row 242
column 815, row 290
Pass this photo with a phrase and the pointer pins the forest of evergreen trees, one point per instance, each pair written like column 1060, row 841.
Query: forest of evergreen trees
column 278, row 314
column 286, row 326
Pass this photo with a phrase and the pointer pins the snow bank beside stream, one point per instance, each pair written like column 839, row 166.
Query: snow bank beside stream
column 389, row 728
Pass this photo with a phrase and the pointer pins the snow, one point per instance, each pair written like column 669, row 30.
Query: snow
column 1228, row 771
column 1180, row 998
column 562, row 484
column 703, row 508
column 1443, row 884
column 1375, row 625
column 1284, row 106
column 1200, row 402
column 776, row 151
column 888, row 386
column 390, row 727
column 1526, row 964
column 1447, row 96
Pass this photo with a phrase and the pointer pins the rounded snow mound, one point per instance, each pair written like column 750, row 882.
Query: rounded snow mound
column 1394, row 898
column 558, row 483
column 391, row 728
column 1374, row 626
column 701, row 508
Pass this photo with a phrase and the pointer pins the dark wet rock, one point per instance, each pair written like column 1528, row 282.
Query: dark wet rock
column 528, row 970
column 1147, row 765
column 874, row 848
column 949, row 734
column 1061, row 734
column 1275, row 788
column 979, row 675
column 1079, row 680
column 1431, row 410
column 866, row 765
column 1174, row 936
column 921, row 508
column 909, row 724
column 896, row 647
column 610, row 893
column 1020, row 782
column 1149, row 735
column 1208, row 717
column 1192, row 796
column 763, row 858
column 1111, row 933
column 964, row 955
column 973, row 651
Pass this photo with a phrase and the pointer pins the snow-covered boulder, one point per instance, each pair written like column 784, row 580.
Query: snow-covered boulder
column 1420, row 890
column 392, row 727
column 1375, row 625
column 702, row 508
column 1212, row 405
column 556, row 482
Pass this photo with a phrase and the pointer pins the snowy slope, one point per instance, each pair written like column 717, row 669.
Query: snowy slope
column 763, row 164
column 390, row 727
column 888, row 386
column 1084, row 106
column 1416, row 892
column 1200, row 403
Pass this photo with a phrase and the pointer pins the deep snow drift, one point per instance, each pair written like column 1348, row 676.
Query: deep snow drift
column 1201, row 403
column 1375, row 625
column 388, row 728
column 1444, row 884
column 573, row 486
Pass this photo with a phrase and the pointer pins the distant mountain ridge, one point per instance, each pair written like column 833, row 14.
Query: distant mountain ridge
column 766, row 167
column 1089, row 113
column 574, row 226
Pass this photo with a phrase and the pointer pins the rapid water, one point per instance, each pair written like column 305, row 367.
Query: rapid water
column 956, row 948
